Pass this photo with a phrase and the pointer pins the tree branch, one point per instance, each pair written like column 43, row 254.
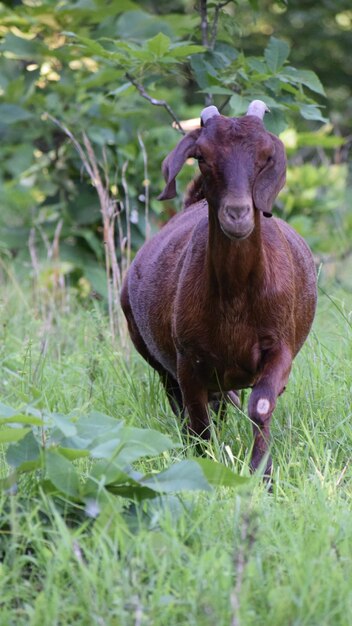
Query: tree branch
column 214, row 28
column 204, row 26
column 209, row 44
column 154, row 101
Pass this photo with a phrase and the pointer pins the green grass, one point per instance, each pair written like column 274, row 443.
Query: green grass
column 226, row 557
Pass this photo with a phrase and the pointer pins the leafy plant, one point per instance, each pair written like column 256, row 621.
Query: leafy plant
column 102, row 75
column 50, row 446
column 227, row 71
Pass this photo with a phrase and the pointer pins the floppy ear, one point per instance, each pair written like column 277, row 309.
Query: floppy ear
column 271, row 179
column 175, row 160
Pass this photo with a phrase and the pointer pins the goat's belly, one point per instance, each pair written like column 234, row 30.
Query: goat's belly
column 231, row 378
column 221, row 375
column 238, row 379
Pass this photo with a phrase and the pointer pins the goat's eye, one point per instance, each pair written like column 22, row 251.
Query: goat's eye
column 200, row 159
column 269, row 160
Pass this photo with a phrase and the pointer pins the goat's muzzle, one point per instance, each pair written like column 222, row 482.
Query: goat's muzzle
column 236, row 220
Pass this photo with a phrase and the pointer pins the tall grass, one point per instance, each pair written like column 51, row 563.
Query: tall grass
column 227, row 557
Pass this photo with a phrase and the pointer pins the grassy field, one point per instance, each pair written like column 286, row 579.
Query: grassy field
column 227, row 557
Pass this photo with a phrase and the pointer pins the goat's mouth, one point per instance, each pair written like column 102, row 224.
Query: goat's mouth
column 236, row 236
column 236, row 230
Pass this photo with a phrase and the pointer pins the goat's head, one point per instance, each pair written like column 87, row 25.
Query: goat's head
column 243, row 167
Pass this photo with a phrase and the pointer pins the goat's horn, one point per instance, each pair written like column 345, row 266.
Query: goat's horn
column 257, row 108
column 207, row 113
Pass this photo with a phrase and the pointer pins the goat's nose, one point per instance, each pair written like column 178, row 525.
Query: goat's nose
column 237, row 213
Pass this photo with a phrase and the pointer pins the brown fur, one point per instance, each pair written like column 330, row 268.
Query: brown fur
column 211, row 312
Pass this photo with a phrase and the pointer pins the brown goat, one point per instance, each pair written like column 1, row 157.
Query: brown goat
column 223, row 298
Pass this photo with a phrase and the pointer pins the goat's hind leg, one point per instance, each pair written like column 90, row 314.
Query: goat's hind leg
column 171, row 386
column 173, row 392
column 195, row 398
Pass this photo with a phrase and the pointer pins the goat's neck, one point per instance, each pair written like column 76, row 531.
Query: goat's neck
column 233, row 266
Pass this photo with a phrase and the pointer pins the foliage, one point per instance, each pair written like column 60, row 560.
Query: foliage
column 227, row 71
column 52, row 442
column 319, row 34
column 69, row 63
column 312, row 203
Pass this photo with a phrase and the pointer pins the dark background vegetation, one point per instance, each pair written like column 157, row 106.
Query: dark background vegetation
column 80, row 66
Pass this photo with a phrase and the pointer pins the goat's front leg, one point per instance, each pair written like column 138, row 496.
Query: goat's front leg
column 195, row 398
column 262, row 401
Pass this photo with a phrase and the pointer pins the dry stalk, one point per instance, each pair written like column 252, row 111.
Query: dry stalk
column 113, row 272
column 33, row 252
column 99, row 177
column 127, row 243
column 145, row 185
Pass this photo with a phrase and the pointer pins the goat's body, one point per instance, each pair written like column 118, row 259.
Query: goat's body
column 223, row 298
column 177, row 307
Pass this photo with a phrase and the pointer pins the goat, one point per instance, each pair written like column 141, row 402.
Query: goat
column 223, row 298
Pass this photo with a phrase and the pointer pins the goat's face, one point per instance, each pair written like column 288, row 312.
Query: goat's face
column 242, row 165
column 231, row 154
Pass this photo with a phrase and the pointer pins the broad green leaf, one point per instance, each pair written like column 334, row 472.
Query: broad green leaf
column 6, row 411
column 64, row 424
column 7, row 435
column 92, row 46
column 142, row 55
column 129, row 448
column 182, row 476
column 12, row 113
column 217, row 90
column 95, row 425
column 304, row 77
column 257, row 65
column 120, row 483
column 275, row 122
column 239, row 104
column 185, row 50
column 23, row 451
column 132, row 491
column 202, row 70
column 20, row 418
column 62, row 474
column 276, row 53
column 108, row 472
column 151, row 441
column 159, row 45
column 105, row 447
column 106, row 76
column 129, row 444
column 219, row 475
column 73, row 453
column 269, row 101
column 311, row 112
column 22, row 48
